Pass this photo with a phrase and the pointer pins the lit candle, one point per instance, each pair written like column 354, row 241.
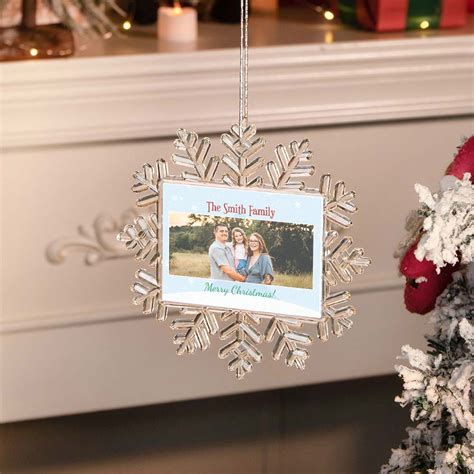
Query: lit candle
column 177, row 24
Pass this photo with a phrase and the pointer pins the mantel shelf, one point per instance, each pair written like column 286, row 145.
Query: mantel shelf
column 293, row 27
column 302, row 73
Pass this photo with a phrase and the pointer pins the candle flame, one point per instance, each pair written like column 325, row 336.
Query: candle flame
column 177, row 10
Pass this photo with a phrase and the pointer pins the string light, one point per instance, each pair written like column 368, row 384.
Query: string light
column 424, row 24
column 126, row 25
column 34, row 52
column 329, row 15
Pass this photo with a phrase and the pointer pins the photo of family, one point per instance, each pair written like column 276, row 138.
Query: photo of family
column 241, row 250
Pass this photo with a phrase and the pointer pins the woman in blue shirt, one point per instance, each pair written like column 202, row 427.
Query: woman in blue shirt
column 259, row 264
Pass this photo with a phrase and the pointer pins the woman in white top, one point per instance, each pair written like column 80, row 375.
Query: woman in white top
column 239, row 248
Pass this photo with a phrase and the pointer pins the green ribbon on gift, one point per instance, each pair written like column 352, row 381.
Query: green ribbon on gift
column 418, row 12
column 347, row 12
column 423, row 10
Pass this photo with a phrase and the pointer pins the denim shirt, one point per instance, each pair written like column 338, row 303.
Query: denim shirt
column 259, row 269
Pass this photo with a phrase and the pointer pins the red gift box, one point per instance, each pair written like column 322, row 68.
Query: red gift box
column 396, row 15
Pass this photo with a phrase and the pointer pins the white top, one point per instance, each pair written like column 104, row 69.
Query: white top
column 240, row 252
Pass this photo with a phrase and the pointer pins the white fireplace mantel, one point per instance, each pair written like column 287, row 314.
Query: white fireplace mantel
column 382, row 112
column 324, row 77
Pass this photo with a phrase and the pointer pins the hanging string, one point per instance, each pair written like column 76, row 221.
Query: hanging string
column 244, row 63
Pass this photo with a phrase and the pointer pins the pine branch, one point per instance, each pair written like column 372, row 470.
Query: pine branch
column 243, row 345
column 291, row 167
column 191, row 155
column 196, row 328
column 289, row 341
column 242, row 163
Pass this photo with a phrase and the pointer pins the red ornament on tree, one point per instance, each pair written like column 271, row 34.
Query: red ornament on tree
column 464, row 161
column 423, row 285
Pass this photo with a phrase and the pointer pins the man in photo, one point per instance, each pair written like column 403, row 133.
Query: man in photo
column 221, row 258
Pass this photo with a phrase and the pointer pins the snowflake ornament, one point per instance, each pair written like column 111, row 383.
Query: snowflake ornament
column 242, row 167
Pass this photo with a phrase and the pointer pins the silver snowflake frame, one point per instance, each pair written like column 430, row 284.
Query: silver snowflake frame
column 243, row 166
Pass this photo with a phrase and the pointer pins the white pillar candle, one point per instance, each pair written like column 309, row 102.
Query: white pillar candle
column 177, row 24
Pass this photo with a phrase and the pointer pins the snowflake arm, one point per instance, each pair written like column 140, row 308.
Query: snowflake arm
column 341, row 263
column 148, row 180
column 196, row 327
column 289, row 341
column 339, row 202
column 195, row 157
column 242, row 163
column 336, row 315
column 146, row 291
column 291, row 167
column 142, row 235
column 243, row 346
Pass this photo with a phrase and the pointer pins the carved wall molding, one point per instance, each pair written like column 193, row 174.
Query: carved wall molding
column 98, row 242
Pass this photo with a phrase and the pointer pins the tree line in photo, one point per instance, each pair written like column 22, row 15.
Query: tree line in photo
column 290, row 245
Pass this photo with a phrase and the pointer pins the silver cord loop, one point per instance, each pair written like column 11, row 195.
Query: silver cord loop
column 244, row 64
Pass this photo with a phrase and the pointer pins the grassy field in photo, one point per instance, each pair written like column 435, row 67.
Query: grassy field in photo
column 197, row 265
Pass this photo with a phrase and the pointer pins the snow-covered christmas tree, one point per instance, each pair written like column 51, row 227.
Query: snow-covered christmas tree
column 437, row 260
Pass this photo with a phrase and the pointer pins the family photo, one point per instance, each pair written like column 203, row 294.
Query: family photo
column 241, row 250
